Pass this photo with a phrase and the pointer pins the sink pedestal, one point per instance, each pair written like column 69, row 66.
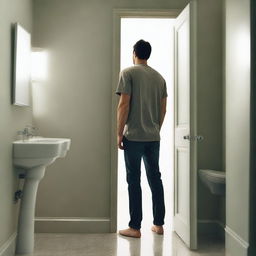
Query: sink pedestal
column 25, row 239
column 33, row 156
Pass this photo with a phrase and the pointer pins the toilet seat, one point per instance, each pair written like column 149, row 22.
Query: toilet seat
column 214, row 180
column 213, row 175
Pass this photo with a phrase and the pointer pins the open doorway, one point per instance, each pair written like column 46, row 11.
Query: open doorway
column 184, row 90
column 159, row 32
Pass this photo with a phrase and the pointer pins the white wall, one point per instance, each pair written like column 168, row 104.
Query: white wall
column 237, row 125
column 13, row 118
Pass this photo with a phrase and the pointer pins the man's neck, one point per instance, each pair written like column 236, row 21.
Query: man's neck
column 140, row 61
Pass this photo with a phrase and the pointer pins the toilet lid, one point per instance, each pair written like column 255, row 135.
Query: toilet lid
column 214, row 175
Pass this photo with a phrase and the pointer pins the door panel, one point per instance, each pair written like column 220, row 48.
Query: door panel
column 185, row 168
column 182, row 74
column 182, row 184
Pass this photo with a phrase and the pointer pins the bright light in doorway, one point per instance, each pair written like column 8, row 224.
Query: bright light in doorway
column 159, row 33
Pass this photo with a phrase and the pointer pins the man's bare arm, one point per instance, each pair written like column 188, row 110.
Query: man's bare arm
column 163, row 110
column 122, row 115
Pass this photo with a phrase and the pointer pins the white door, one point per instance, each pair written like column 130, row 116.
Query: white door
column 185, row 164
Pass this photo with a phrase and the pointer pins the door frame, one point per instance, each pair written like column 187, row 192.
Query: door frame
column 252, row 218
column 117, row 15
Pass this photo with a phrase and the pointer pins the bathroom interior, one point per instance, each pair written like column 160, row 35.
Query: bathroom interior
column 71, row 102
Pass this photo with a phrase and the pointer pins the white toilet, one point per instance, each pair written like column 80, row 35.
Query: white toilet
column 214, row 180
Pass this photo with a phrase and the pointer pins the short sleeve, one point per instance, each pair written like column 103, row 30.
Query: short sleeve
column 124, row 84
column 164, row 93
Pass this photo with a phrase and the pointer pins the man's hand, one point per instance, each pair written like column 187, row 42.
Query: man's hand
column 120, row 142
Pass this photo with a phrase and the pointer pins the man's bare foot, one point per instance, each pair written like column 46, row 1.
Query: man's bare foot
column 158, row 229
column 131, row 232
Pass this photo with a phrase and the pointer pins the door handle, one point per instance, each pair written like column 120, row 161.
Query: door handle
column 197, row 137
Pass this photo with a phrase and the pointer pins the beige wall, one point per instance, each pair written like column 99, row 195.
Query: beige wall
column 75, row 102
column 237, row 124
column 13, row 118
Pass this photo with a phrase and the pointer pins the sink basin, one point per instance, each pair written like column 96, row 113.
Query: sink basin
column 32, row 156
column 39, row 151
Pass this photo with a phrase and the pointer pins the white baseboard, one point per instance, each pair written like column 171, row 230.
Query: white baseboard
column 235, row 245
column 8, row 248
column 72, row 225
column 211, row 228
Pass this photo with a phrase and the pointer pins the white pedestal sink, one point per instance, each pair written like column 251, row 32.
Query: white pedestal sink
column 33, row 156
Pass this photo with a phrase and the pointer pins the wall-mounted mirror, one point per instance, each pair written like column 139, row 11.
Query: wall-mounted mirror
column 21, row 66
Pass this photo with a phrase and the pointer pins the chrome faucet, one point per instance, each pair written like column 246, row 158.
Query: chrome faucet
column 28, row 132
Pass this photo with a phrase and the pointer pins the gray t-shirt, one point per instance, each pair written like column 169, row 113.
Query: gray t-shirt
column 146, row 88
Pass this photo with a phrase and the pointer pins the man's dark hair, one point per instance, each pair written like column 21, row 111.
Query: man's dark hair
column 142, row 49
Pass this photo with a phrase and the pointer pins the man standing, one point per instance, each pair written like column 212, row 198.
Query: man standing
column 140, row 114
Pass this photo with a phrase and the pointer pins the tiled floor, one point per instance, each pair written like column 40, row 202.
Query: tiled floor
column 150, row 244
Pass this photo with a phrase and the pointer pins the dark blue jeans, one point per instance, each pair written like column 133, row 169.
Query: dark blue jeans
column 133, row 153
